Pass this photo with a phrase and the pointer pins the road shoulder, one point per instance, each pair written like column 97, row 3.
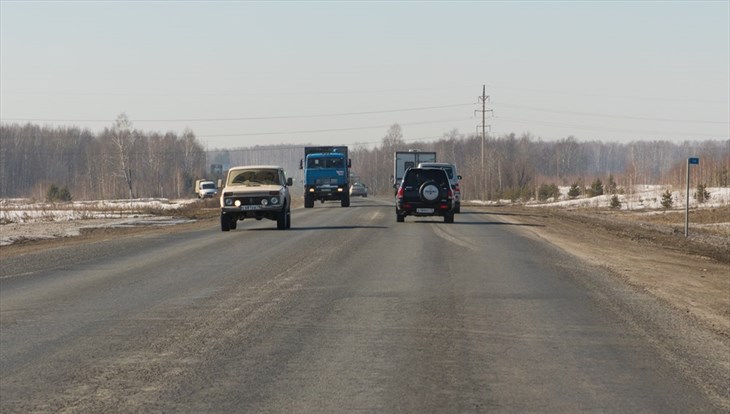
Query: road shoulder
column 694, row 284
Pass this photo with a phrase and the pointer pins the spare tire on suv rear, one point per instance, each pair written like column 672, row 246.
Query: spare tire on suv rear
column 429, row 191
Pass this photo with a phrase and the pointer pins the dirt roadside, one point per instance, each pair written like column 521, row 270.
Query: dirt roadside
column 649, row 252
column 646, row 251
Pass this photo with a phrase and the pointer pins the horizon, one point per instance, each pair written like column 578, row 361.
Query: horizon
column 241, row 74
column 379, row 142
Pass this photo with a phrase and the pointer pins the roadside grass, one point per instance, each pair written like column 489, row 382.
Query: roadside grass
column 715, row 220
column 24, row 211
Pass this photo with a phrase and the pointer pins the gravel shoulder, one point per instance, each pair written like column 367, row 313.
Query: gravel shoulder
column 647, row 252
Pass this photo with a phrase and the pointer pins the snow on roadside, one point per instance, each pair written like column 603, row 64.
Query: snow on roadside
column 21, row 210
column 24, row 220
column 643, row 197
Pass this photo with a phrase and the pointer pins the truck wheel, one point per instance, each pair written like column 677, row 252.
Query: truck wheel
column 458, row 208
column 288, row 218
column 225, row 223
column 449, row 218
column 399, row 218
column 308, row 201
column 345, row 200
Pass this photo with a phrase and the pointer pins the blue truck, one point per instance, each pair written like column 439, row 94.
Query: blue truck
column 326, row 175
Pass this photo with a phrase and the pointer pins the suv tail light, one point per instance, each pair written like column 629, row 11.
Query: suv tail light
column 451, row 194
column 400, row 192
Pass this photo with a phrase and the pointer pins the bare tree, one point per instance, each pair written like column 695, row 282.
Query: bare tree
column 121, row 139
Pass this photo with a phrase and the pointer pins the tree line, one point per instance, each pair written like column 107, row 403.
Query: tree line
column 519, row 167
column 122, row 162
column 119, row 162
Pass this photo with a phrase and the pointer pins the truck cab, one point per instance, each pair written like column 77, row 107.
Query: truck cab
column 326, row 175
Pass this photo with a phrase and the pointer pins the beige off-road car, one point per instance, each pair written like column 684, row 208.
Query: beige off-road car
column 257, row 191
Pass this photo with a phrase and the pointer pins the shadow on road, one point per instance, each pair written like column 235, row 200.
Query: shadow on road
column 352, row 206
column 322, row 228
column 492, row 213
column 497, row 223
column 479, row 223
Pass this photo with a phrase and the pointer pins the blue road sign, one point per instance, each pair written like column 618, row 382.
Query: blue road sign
column 693, row 160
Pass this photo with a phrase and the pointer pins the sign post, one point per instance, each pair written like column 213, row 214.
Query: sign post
column 690, row 161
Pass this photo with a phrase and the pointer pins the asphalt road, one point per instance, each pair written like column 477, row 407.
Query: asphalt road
column 348, row 311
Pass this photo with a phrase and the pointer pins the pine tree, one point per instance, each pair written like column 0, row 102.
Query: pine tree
column 574, row 191
column 64, row 194
column 596, row 188
column 52, row 193
column 615, row 202
column 58, row 194
column 667, row 200
column 546, row 191
column 702, row 195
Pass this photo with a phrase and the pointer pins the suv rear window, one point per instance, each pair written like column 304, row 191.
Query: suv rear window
column 449, row 171
column 416, row 177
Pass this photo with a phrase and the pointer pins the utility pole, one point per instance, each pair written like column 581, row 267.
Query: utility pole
column 484, row 98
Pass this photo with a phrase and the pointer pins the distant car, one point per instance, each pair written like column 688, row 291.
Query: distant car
column 358, row 190
column 207, row 189
column 425, row 192
column 453, row 179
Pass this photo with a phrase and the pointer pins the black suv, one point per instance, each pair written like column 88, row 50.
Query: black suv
column 425, row 192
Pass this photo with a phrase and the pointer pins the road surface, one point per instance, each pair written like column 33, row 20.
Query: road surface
column 348, row 311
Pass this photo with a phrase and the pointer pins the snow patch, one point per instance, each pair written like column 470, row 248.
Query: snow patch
column 640, row 197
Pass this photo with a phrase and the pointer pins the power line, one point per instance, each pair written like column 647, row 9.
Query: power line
column 328, row 130
column 274, row 93
column 639, row 118
column 608, row 129
column 373, row 91
column 343, row 114
column 602, row 95
column 253, row 118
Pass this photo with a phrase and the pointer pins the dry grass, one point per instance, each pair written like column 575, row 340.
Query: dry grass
column 707, row 220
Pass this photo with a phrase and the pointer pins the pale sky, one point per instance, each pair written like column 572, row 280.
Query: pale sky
column 259, row 73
